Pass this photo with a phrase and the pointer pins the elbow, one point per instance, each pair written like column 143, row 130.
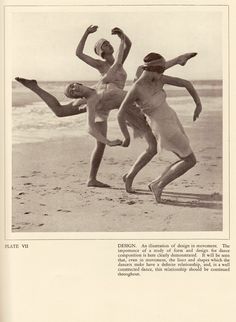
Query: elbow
column 128, row 44
column 187, row 84
column 78, row 54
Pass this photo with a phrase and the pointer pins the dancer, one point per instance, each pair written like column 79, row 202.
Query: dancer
column 148, row 92
column 100, row 100
column 104, row 50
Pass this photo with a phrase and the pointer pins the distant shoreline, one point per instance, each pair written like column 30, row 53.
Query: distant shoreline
column 194, row 81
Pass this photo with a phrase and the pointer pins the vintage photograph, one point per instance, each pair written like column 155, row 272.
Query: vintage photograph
column 116, row 118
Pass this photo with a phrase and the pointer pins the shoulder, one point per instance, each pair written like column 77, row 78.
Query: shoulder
column 135, row 89
column 174, row 80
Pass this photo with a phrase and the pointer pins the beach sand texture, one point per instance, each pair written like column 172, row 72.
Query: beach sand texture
column 49, row 192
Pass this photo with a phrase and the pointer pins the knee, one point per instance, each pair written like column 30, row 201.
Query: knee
column 191, row 159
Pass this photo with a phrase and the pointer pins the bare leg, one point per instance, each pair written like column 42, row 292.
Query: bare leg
column 51, row 101
column 182, row 60
column 142, row 160
column 96, row 159
column 164, row 173
column 176, row 170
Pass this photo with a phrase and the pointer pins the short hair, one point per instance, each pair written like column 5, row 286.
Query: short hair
column 152, row 56
column 154, row 60
column 68, row 91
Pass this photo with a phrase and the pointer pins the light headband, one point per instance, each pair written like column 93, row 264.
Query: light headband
column 98, row 46
column 157, row 62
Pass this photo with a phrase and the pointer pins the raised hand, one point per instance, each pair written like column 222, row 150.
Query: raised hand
column 117, row 31
column 197, row 111
column 91, row 29
column 115, row 142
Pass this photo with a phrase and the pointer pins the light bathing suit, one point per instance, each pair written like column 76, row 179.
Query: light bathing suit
column 116, row 83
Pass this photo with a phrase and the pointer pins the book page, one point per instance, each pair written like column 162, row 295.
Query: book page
column 101, row 232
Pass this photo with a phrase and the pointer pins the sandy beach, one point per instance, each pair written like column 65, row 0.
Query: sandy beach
column 49, row 192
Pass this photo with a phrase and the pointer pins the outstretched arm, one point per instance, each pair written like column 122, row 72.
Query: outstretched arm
column 109, row 76
column 188, row 85
column 129, row 100
column 96, row 63
column 127, row 42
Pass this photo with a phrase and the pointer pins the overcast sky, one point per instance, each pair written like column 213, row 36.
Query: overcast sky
column 41, row 44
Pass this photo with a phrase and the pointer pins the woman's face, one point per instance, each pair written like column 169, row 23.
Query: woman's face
column 75, row 90
column 107, row 48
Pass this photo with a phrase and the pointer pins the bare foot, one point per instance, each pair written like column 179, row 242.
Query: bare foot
column 128, row 184
column 30, row 83
column 185, row 57
column 96, row 183
column 156, row 190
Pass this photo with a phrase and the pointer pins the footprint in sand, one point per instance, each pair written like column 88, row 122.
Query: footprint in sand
column 168, row 219
column 122, row 200
column 109, row 199
column 35, row 172
column 131, row 202
column 63, row 210
column 18, row 227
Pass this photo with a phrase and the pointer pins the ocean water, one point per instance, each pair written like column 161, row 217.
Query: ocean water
column 33, row 121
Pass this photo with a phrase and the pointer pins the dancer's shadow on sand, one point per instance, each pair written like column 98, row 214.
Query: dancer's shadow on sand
column 191, row 200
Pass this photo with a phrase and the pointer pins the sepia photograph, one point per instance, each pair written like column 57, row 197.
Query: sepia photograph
column 117, row 118
column 117, row 161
